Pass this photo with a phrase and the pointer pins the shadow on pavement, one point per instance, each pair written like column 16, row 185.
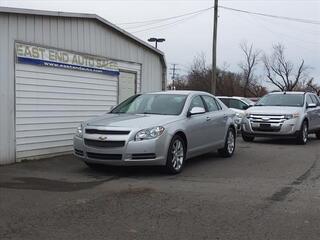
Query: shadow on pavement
column 282, row 141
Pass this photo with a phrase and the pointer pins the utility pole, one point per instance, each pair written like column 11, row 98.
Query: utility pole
column 214, row 50
column 174, row 69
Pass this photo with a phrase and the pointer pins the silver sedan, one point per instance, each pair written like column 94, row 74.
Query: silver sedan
column 163, row 128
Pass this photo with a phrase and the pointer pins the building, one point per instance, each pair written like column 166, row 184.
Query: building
column 58, row 69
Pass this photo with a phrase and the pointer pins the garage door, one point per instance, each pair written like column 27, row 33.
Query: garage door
column 50, row 104
column 127, row 85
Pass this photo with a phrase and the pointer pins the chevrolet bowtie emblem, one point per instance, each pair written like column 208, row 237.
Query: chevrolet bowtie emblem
column 102, row 138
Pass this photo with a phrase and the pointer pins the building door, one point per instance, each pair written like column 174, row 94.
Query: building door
column 50, row 104
column 127, row 85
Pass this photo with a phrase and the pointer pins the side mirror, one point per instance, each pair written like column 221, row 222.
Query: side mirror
column 245, row 107
column 196, row 111
column 311, row 105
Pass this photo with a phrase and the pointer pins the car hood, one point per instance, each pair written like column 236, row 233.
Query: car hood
column 276, row 110
column 237, row 110
column 131, row 121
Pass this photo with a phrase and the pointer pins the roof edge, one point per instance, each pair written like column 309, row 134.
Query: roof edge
column 82, row 15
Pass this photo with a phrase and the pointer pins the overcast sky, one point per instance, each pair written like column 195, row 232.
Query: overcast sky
column 193, row 35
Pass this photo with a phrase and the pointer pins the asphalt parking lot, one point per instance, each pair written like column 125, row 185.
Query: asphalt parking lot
column 268, row 190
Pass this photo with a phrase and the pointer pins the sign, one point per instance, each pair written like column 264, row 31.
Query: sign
column 49, row 57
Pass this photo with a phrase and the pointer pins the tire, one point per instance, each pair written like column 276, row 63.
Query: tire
column 318, row 134
column 229, row 145
column 247, row 138
column 302, row 137
column 176, row 155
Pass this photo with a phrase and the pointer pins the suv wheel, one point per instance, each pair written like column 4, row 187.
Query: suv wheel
column 229, row 145
column 302, row 137
column 176, row 155
column 247, row 138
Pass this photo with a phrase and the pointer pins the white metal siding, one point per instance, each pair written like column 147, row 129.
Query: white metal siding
column 127, row 86
column 78, row 34
column 50, row 104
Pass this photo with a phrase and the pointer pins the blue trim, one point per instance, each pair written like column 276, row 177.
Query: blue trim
column 40, row 62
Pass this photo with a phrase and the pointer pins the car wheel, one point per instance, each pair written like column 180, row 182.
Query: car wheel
column 318, row 134
column 247, row 138
column 229, row 145
column 176, row 155
column 302, row 137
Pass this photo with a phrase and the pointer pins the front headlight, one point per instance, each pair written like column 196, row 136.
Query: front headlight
column 247, row 115
column 149, row 133
column 290, row 116
column 79, row 132
column 240, row 115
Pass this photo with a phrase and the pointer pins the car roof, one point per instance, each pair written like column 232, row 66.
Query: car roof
column 239, row 98
column 181, row 92
column 291, row 92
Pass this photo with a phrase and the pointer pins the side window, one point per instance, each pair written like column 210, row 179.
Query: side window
column 218, row 104
column 196, row 102
column 211, row 103
column 309, row 99
column 226, row 101
column 234, row 103
column 315, row 99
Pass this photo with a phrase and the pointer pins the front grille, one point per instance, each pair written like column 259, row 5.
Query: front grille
column 103, row 144
column 104, row 156
column 143, row 156
column 261, row 129
column 261, row 118
column 106, row 132
column 78, row 152
column 266, row 123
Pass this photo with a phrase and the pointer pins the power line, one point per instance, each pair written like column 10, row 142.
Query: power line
column 166, row 19
column 189, row 15
column 301, row 20
column 168, row 24
column 196, row 13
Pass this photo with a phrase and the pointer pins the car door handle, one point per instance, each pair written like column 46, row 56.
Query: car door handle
column 208, row 118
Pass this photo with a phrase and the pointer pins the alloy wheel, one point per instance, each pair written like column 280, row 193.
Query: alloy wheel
column 305, row 132
column 230, row 142
column 177, row 154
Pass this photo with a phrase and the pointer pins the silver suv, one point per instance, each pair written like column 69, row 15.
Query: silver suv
column 291, row 114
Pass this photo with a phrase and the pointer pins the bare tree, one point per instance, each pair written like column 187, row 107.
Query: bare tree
column 248, row 65
column 228, row 83
column 281, row 72
column 313, row 87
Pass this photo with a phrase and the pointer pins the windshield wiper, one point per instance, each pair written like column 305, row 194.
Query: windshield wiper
column 154, row 113
column 149, row 113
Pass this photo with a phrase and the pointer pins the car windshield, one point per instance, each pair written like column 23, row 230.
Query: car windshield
column 287, row 100
column 162, row 104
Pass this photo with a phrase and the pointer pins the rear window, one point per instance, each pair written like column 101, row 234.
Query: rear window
column 226, row 101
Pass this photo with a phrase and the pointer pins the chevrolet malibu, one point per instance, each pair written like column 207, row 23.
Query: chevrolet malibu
column 163, row 129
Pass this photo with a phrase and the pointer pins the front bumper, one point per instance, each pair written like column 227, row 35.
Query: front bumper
column 148, row 152
column 286, row 129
